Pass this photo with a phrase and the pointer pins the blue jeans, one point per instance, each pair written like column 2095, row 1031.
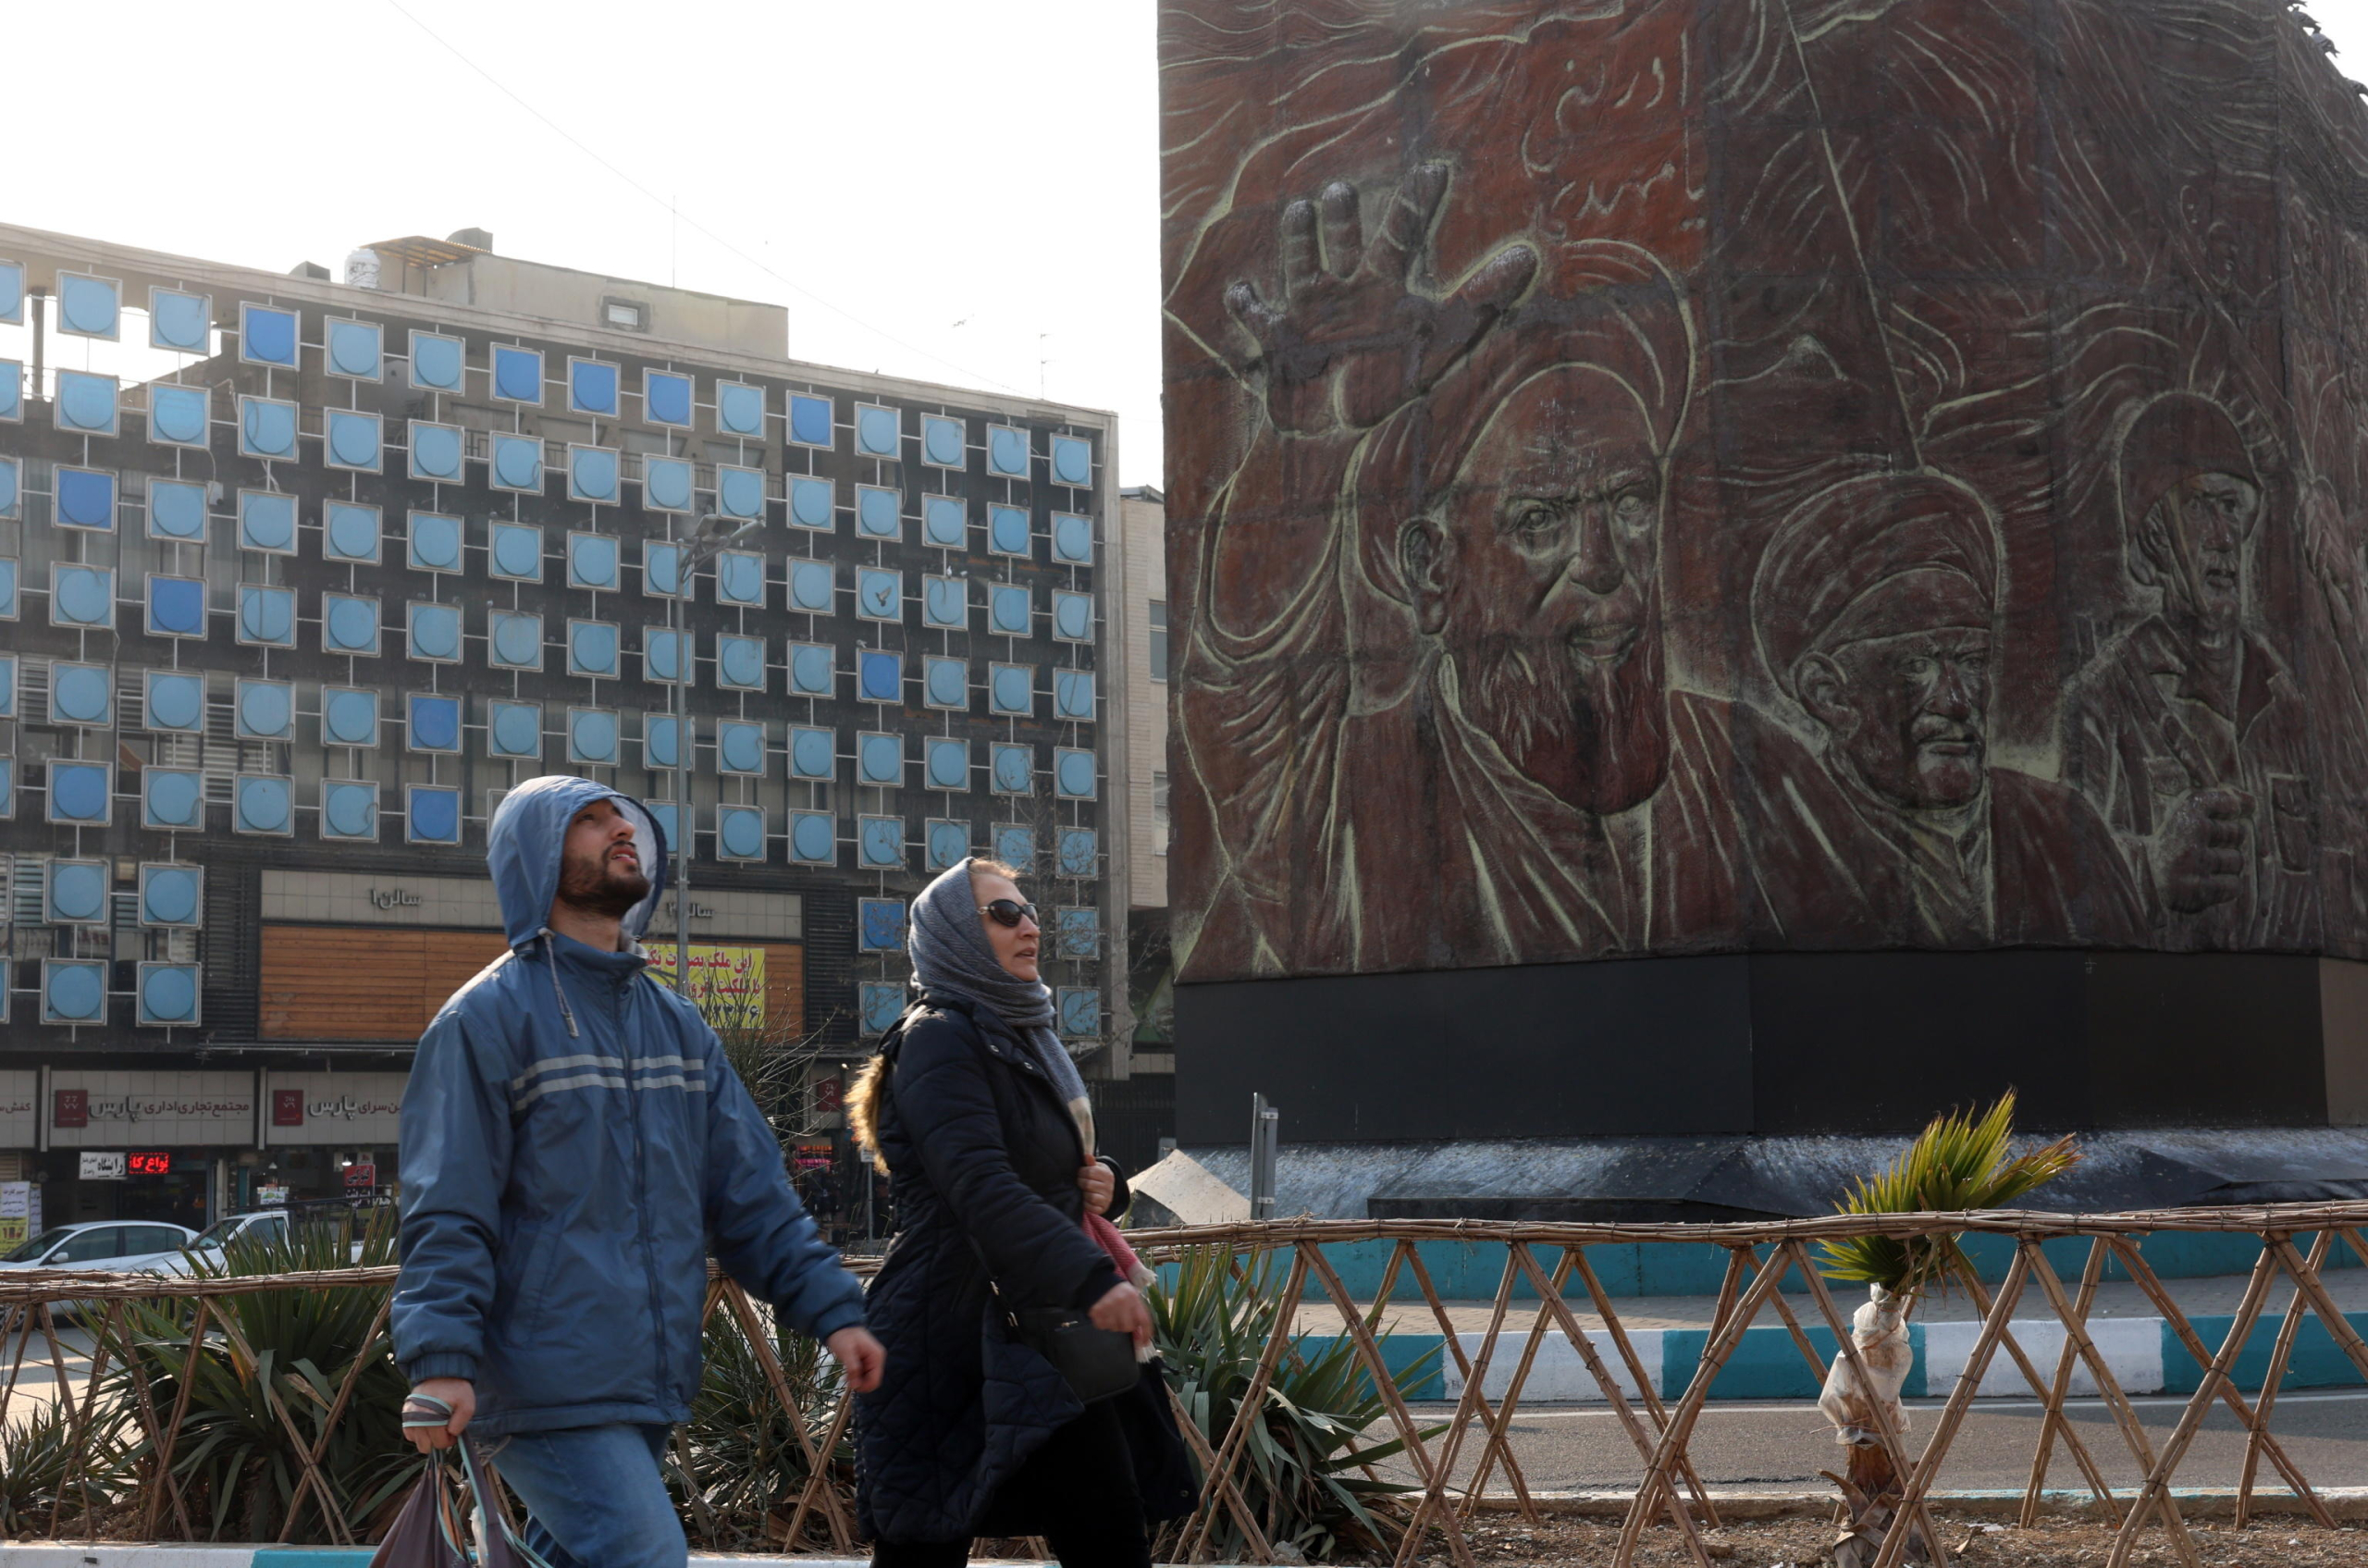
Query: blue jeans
column 595, row 1496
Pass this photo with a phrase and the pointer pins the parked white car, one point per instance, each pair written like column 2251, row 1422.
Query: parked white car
column 125, row 1246
column 261, row 1227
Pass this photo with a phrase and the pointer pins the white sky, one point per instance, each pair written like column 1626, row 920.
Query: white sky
column 917, row 164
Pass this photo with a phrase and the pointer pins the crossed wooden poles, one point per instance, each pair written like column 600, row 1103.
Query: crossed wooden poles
column 1448, row 1483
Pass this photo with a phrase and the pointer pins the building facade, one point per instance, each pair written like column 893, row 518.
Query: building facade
column 297, row 577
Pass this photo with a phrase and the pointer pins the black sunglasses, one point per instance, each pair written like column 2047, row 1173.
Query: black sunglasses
column 1009, row 912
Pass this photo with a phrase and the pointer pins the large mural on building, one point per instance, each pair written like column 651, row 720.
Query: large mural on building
column 1697, row 475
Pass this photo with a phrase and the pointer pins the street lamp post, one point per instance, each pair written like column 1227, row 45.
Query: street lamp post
column 714, row 533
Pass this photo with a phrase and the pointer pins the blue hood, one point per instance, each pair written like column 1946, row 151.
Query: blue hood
column 528, row 836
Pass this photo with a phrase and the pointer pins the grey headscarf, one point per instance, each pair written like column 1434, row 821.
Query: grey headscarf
column 952, row 957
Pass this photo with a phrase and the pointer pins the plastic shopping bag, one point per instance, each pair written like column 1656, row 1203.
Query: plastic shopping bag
column 428, row 1532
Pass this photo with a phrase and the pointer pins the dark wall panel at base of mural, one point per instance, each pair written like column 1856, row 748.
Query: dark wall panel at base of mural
column 1776, row 1044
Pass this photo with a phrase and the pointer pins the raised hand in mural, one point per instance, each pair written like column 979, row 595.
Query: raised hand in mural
column 2200, row 855
column 1359, row 329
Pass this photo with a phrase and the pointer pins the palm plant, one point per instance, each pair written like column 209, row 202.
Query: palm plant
column 745, row 1469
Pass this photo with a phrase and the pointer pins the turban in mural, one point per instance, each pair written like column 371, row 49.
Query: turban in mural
column 1846, row 555
column 2178, row 437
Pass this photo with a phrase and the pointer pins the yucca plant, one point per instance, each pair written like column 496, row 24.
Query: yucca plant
column 745, row 1469
column 1307, row 1470
column 35, row 1450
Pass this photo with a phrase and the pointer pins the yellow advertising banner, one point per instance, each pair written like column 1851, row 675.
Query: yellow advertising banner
column 727, row 984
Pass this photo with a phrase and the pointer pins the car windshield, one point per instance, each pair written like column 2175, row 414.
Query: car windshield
column 215, row 1235
column 36, row 1247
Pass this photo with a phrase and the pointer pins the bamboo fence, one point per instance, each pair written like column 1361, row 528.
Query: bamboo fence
column 1448, row 1486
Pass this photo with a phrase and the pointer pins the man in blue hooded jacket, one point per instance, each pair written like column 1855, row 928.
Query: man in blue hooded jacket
column 573, row 1145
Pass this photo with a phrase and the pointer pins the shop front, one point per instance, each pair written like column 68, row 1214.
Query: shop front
column 139, row 1145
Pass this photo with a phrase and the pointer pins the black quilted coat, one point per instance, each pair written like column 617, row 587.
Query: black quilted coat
column 976, row 1142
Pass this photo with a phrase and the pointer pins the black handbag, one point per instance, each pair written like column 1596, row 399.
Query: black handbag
column 1097, row 1363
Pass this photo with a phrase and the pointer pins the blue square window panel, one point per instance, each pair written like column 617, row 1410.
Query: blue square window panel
column 879, row 1004
column 86, row 500
column 177, row 511
column 432, row 724
column 12, row 391
column 658, row 732
column 666, row 398
column 945, row 684
column 740, row 747
column 1072, row 460
column 8, row 687
column 1011, row 690
column 268, row 522
column 809, row 420
column 661, row 570
column 73, row 991
column 942, row 441
column 880, row 846
column 1072, row 538
column 433, row 631
column 666, row 483
column 1007, row 530
column 517, row 374
column 180, row 416
column 947, row 842
column 879, row 678
column 813, row 838
column 670, row 834
column 1076, row 775
column 514, row 639
column 349, row 531
column 268, row 428
column 1016, row 846
column 174, row 702
column 88, row 306
column 352, row 439
column 593, row 736
column 172, row 801
column 266, row 336
column 8, row 807
column 1009, row 611
column 946, row 522
column 878, row 513
column 662, row 650
column 432, row 542
column 513, row 731
column 813, row 669
column 81, row 695
column 1080, row 1011
column 84, row 598
column 740, row 492
column 593, row 386
column 811, row 504
column 262, row 805
column 813, row 754
column 740, row 410
column 594, row 560
column 947, row 764
column 436, row 362
column 812, row 586
column 264, row 711
column 1007, row 451
column 1073, row 696
column 12, row 292
column 168, row 996
column 350, row 717
column 876, row 431
column 266, row 616
column 1012, row 769
column 1072, row 616
column 12, row 486
column 880, row 760
column 435, row 452
column 878, row 595
column 516, row 551
column 87, row 404
column 740, row 663
column 1077, row 853
column 592, row 475
column 81, row 794
column 740, row 832
column 740, row 579
column 176, row 607
column 172, row 896
column 349, row 626
column 184, row 323
column 355, row 349
column 592, row 649
column 75, row 893
column 517, row 464
column 1077, row 934
column 350, row 810
column 431, row 814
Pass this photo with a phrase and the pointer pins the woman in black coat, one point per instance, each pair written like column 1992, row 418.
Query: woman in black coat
column 979, row 1118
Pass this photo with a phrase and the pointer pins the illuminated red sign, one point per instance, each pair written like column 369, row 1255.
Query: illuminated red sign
column 153, row 1163
column 361, row 1176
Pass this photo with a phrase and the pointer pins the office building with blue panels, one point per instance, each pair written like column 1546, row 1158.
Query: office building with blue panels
column 298, row 576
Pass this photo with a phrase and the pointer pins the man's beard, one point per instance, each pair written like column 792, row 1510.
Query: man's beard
column 590, row 885
column 1596, row 735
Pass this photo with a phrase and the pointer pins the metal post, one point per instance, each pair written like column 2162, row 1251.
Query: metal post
column 1265, row 1139
column 683, row 820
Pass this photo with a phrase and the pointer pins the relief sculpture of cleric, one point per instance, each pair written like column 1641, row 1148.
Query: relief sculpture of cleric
column 1666, row 477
